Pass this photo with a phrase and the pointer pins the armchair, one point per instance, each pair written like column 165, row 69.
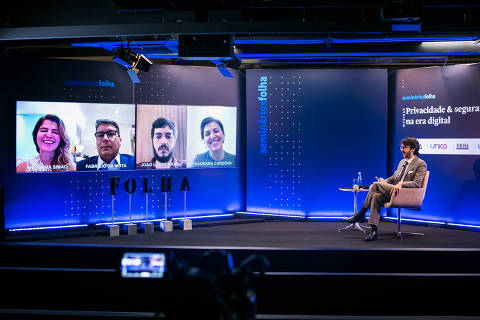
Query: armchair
column 408, row 198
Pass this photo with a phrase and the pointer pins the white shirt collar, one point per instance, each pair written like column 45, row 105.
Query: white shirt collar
column 100, row 163
column 409, row 160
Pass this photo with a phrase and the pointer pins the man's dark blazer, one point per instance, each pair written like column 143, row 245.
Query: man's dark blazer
column 125, row 159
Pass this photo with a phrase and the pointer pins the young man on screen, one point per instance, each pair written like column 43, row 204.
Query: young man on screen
column 108, row 141
column 164, row 137
column 409, row 174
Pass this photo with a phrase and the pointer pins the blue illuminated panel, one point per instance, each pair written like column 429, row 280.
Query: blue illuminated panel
column 309, row 132
column 439, row 105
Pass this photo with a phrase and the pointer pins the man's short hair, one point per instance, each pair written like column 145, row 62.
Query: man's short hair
column 161, row 123
column 412, row 143
column 107, row 121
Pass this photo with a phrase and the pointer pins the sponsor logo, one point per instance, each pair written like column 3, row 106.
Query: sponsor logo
column 438, row 146
column 443, row 146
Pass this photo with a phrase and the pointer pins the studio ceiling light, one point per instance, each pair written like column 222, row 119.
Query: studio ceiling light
column 130, row 59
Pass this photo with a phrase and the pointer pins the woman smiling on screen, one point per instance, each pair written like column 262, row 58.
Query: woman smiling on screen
column 213, row 136
column 53, row 147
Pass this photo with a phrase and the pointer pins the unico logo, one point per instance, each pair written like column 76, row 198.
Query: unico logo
column 438, row 146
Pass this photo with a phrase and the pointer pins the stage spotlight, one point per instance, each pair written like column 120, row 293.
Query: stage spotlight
column 131, row 60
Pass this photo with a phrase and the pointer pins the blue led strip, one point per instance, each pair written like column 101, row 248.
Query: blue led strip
column 337, row 218
column 127, row 222
column 174, row 43
column 354, row 58
column 416, row 220
column 271, row 214
column 352, row 54
column 463, row 225
column 326, row 217
column 174, row 219
column 133, row 44
column 368, row 40
column 117, row 222
column 343, row 61
column 286, row 41
column 205, row 216
column 413, row 39
column 334, row 218
column 48, row 228
column 467, row 226
column 448, row 224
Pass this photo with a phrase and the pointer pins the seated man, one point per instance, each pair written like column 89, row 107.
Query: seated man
column 107, row 135
column 409, row 174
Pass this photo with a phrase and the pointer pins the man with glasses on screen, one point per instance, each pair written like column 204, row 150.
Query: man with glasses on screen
column 107, row 136
column 164, row 138
column 409, row 174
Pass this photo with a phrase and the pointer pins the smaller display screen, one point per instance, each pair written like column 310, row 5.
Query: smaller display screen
column 143, row 265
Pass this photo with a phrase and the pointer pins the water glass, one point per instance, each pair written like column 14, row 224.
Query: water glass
column 355, row 184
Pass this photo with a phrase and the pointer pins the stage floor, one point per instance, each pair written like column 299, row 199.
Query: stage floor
column 303, row 257
column 259, row 233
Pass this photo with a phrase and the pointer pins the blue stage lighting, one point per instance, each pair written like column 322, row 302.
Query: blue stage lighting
column 416, row 220
column 271, row 214
column 463, row 225
column 49, row 228
column 133, row 76
column 206, row 216
column 334, row 218
column 224, row 71
column 122, row 63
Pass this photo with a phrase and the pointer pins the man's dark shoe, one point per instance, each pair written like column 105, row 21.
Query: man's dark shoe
column 357, row 217
column 370, row 236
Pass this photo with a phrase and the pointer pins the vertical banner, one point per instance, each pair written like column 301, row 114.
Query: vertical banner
column 441, row 107
column 308, row 133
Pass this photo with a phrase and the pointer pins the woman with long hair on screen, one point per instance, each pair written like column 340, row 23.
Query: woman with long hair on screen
column 213, row 136
column 53, row 147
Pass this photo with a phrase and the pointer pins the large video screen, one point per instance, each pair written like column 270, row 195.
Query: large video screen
column 65, row 136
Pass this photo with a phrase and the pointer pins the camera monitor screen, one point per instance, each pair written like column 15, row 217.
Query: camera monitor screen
column 143, row 265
